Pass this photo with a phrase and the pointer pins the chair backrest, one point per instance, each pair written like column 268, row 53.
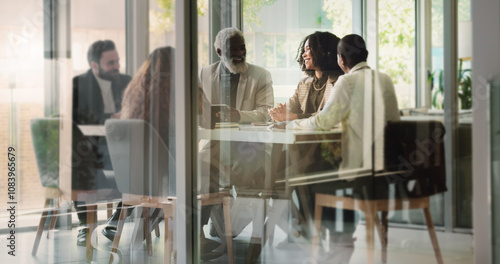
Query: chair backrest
column 139, row 157
column 415, row 150
column 45, row 137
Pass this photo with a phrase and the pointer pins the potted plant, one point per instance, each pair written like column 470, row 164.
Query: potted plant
column 464, row 88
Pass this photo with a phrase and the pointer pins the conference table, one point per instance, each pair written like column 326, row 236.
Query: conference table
column 277, row 138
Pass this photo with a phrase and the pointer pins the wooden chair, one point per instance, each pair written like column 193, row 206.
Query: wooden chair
column 45, row 137
column 414, row 164
column 140, row 160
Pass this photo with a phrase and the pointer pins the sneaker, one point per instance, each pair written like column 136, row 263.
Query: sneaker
column 109, row 232
column 81, row 238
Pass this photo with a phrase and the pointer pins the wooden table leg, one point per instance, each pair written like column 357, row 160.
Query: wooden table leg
column 41, row 225
column 91, row 223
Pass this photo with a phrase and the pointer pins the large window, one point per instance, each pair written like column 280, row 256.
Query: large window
column 224, row 186
column 273, row 41
column 396, row 40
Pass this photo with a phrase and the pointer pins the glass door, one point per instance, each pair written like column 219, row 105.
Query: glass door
column 495, row 162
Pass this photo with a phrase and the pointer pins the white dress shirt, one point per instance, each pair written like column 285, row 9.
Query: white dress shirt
column 107, row 95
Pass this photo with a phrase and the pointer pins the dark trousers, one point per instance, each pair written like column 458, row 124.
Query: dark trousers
column 112, row 221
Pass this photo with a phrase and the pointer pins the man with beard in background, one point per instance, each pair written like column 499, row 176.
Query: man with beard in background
column 97, row 96
column 247, row 91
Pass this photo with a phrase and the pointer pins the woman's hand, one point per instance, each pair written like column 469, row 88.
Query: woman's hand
column 281, row 113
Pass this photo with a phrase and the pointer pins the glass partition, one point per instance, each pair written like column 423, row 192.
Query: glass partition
column 291, row 149
column 495, row 161
column 303, row 190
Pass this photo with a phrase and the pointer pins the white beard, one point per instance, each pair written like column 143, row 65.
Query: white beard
column 234, row 68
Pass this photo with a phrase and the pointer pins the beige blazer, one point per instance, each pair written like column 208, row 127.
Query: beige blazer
column 255, row 91
column 237, row 162
column 298, row 102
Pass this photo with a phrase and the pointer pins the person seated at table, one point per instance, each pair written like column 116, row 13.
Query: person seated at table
column 317, row 57
column 150, row 97
column 248, row 92
column 346, row 107
column 97, row 96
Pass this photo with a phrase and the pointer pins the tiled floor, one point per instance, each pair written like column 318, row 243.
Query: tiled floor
column 405, row 246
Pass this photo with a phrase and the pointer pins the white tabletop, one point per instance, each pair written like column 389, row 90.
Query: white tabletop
column 249, row 133
column 93, row 130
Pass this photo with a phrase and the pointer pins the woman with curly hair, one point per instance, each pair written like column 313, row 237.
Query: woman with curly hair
column 317, row 57
column 148, row 97
column 149, row 94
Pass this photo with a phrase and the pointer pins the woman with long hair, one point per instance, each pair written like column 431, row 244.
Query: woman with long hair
column 148, row 96
column 317, row 57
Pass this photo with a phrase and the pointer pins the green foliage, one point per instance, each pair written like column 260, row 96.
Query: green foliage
column 464, row 88
column 437, row 94
column 397, row 39
column 437, row 19
column 250, row 10
column 340, row 12
column 163, row 14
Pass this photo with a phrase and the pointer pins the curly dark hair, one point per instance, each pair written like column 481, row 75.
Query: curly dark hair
column 147, row 96
column 323, row 50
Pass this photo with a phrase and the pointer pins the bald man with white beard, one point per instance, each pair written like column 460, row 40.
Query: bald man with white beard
column 248, row 92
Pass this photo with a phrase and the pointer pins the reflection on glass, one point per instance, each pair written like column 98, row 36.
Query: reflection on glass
column 240, row 93
column 495, row 163
column 265, row 195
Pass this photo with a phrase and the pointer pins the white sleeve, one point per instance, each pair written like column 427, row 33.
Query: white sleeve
column 336, row 109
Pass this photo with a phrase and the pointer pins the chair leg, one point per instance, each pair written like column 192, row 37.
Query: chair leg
column 156, row 221
column 318, row 212
column 157, row 229
column 91, row 222
column 370, row 241
column 53, row 219
column 109, row 210
column 145, row 214
column 432, row 234
column 226, row 204
column 39, row 230
column 168, row 239
column 119, row 230
column 382, row 231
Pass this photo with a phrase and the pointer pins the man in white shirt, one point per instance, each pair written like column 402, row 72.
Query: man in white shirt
column 97, row 96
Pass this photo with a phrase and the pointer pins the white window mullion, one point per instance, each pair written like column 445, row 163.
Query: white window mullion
column 371, row 32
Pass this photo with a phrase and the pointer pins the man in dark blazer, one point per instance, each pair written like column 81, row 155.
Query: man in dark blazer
column 97, row 96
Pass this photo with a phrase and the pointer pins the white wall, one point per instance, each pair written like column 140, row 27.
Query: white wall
column 98, row 14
